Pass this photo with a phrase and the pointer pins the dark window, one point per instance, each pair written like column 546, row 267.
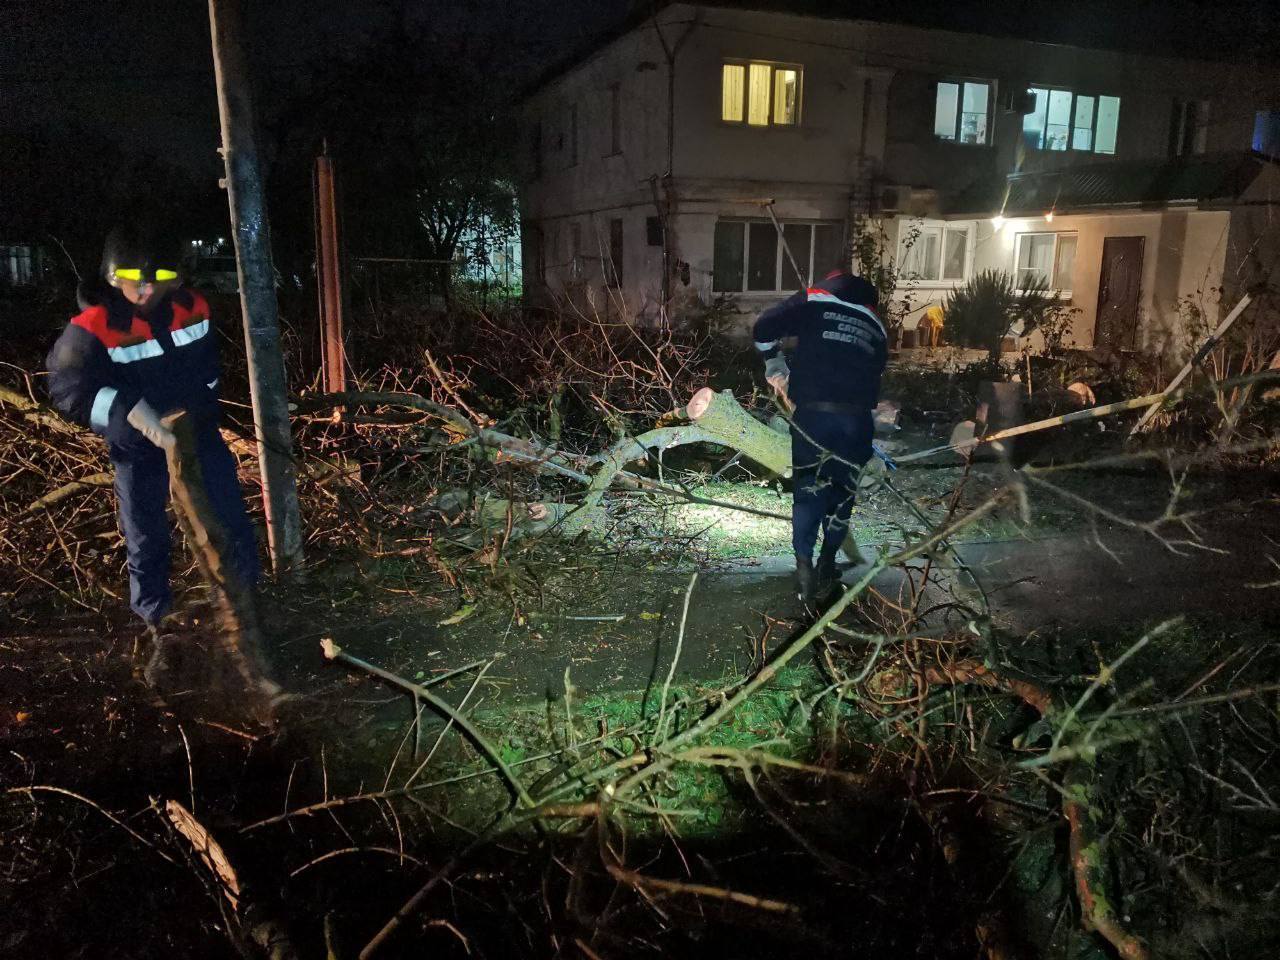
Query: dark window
column 1188, row 127
column 828, row 244
column 573, row 135
column 799, row 238
column 727, row 258
column 615, row 118
column 653, row 231
column 536, row 260
column 19, row 265
column 748, row 255
column 614, row 272
column 762, row 257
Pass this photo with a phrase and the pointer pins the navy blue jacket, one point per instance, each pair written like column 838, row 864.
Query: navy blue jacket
column 841, row 347
column 109, row 357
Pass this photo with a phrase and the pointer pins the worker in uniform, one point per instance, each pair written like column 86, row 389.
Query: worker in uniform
column 834, row 383
column 142, row 346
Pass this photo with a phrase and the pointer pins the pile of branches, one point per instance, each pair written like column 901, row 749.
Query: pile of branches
column 491, row 412
column 58, row 533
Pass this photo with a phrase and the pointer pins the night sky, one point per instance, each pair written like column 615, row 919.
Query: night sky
column 142, row 68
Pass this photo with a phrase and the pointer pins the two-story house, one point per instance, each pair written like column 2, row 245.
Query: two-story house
column 1134, row 185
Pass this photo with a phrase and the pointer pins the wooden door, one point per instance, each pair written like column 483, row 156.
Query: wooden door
column 1119, row 293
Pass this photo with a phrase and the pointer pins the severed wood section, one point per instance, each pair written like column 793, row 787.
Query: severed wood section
column 720, row 415
column 239, row 634
column 254, row 927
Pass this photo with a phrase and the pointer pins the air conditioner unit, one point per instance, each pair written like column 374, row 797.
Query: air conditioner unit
column 893, row 199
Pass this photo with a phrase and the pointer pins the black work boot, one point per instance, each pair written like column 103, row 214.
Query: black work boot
column 162, row 636
column 806, row 580
column 828, row 579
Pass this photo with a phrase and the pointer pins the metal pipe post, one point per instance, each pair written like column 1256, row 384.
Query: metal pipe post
column 333, row 360
column 252, row 234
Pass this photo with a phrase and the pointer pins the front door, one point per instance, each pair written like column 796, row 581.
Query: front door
column 1118, row 293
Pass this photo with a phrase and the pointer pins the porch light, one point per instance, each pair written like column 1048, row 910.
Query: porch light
column 997, row 222
column 1048, row 217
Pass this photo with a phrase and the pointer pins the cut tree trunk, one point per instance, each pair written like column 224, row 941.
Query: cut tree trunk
column 721, row 416
column 239, row 634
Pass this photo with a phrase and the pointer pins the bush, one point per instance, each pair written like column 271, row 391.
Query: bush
column 985, row 310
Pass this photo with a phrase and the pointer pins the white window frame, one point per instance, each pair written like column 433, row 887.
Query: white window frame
column 1063, row 291
column 1071, row 115
column 955, row 132
column 939, row 229
column 773, row 66
column 781, row 256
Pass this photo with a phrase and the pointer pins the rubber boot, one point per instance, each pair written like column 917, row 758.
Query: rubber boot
column 806, row 580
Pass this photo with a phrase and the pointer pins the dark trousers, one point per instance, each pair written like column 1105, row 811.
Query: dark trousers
column 827, row 454
column 142, row 491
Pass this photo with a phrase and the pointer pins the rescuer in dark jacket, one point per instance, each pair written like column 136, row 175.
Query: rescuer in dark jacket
column 142, row 346
column 834, row 382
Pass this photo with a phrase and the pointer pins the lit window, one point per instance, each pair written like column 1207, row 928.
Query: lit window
column 748, row 255
column 962, row 111
column 1063, row 120
column 939, row 252
column 1050, row 257
column 760, row 94
column 731, row 92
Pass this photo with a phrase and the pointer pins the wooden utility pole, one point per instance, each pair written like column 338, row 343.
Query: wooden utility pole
column 252, row 234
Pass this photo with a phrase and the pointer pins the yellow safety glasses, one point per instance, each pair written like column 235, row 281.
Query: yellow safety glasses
column 134, row 274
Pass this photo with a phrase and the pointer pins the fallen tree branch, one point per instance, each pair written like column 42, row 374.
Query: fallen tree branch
column 92, row 482
column 263, row 932
column 334, row 652
column 1088, row 841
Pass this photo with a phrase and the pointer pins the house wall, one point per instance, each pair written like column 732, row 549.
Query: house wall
column 1147, row 87
column 1184, row 252
column 576, row 190
column 867, row 121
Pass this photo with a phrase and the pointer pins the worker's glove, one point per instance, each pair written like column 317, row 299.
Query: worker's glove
column 146, row 421
column 777, row 374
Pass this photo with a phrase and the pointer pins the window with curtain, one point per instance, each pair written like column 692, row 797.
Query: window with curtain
column 1050, row 257
column 1065, row 120
column 962, row 111
column 760, row 94
column 748, row 255
column 939, row 254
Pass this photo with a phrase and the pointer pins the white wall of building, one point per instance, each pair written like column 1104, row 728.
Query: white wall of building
column 867, row 113
column 1184, row 252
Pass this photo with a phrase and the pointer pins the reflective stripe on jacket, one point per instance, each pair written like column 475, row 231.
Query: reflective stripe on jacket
column 109, row 357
